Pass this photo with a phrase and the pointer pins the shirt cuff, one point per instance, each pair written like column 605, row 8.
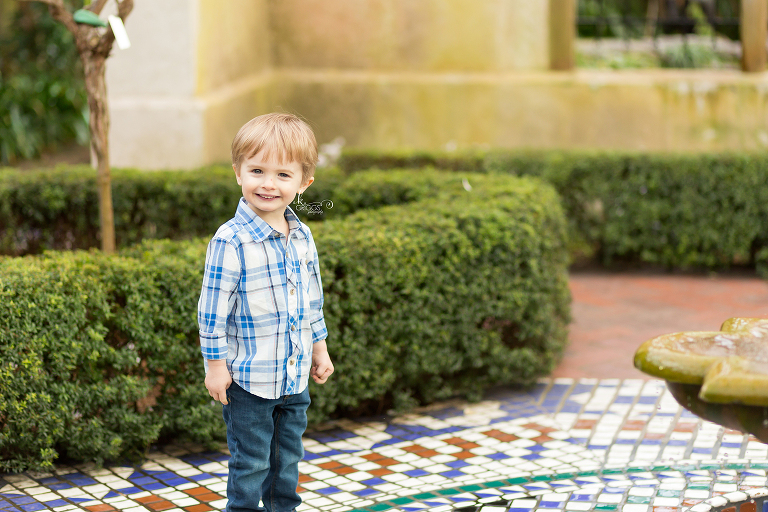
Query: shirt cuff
column 213, row 347
column 319, row 332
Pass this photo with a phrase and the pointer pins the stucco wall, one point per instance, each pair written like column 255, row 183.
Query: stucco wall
column 400, row 74
column 408, row 35
column 663, row 110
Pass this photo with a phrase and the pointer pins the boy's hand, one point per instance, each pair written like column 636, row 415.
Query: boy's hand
column 322, row 367
column 218, row 379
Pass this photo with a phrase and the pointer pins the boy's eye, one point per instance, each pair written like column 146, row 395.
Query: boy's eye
column 284, row 175
column 256, row 170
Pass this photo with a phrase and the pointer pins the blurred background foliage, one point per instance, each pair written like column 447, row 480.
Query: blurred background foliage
column 43, row 104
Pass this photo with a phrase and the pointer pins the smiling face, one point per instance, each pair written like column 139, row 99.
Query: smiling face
column 269, row 186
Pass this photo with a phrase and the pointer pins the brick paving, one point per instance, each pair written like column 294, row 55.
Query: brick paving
column 614, row 313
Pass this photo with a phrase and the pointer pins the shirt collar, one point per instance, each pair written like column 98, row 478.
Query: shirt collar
column 258, row 228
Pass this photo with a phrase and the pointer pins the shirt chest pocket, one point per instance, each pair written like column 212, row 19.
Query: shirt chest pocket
column 304, row 267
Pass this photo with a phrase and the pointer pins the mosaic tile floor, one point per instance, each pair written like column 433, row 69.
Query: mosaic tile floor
column 565, row 445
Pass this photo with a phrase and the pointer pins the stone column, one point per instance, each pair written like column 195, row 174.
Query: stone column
column 195, row 72
column 754, row 31
column 562, row 34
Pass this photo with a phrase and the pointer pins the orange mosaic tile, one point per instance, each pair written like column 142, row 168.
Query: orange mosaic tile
column 634, row 425
column 501, row 436
column 464, row 455
column 381, row 472
column 149, row 499
column 373, row 457
column 664, row 509
column 685, row 427
column 100, row 508
column 330, row 465
column 689, row 502
column 654, row 435
column 421, row 451
column 585, row 424
column 197, row 490
column 209, row 496
column 542, row 439
column 198, row 508
column 540, row 428
column 387, row 462
column 303, row 478
column 161, row 505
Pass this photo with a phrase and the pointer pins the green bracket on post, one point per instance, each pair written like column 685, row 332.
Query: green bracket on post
column 87, row 17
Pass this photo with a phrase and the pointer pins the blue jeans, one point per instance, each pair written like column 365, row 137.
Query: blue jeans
column 264, row 439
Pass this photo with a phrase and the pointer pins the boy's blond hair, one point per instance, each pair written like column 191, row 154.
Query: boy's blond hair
column 283, row 136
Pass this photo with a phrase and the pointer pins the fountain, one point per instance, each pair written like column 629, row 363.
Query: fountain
column 721, row 377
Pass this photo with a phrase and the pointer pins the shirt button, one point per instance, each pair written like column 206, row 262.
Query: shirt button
column 292, row 290
column 291, row 362
column 293, row 327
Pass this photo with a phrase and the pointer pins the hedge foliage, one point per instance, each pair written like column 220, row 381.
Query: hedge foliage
column 675, row 211
column 444, row 294
column 672, row 210
column 43, row 102
column 58, row 208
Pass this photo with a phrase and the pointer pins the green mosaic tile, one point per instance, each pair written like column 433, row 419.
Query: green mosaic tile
column 709, row 465
column 563, row 476
column 517, row 481
column 639, row 499
column 661, row 468
column 606, row 506
column 495, row 484
column 698, row 486
column 636, row 470
column 668, row 493
column 587, row 473
column 447, row 492
column 425, row 495
column 759, row 465
column 402, row 501
column 735, row 466
column 541, row 478
column 470, row 488
column 379, row 507
column 612, row 471
column 687, row 467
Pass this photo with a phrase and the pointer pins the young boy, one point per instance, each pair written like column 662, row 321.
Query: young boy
column 262, row 330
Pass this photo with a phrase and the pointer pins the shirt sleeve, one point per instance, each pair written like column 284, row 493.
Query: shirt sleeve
column 316, row 299
column 218, row 297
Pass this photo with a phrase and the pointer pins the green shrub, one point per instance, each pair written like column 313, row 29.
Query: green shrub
column 42, row 92
column 673, row 210
column 58, row 209
column 439, row 297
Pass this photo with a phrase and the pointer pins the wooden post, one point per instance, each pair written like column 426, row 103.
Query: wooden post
column 562, row 34
column 94, row 48
column 754, row 31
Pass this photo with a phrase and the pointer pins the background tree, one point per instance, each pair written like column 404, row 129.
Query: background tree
column 94, row 45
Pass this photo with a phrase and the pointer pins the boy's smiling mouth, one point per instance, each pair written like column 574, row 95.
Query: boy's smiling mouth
column 263, row 196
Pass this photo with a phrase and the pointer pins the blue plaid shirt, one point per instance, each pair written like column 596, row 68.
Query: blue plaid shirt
column 261, row 306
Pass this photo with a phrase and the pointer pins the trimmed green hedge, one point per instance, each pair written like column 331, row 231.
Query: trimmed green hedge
column 675, row 211
column 672, row 210
column 58, row 208
column 438, row 297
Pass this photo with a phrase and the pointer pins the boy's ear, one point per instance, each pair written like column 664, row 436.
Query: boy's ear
column 237, row 173
column 306, row 185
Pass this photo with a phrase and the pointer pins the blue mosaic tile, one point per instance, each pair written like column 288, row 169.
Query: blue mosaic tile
column 55, row 503
column 32, row 507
